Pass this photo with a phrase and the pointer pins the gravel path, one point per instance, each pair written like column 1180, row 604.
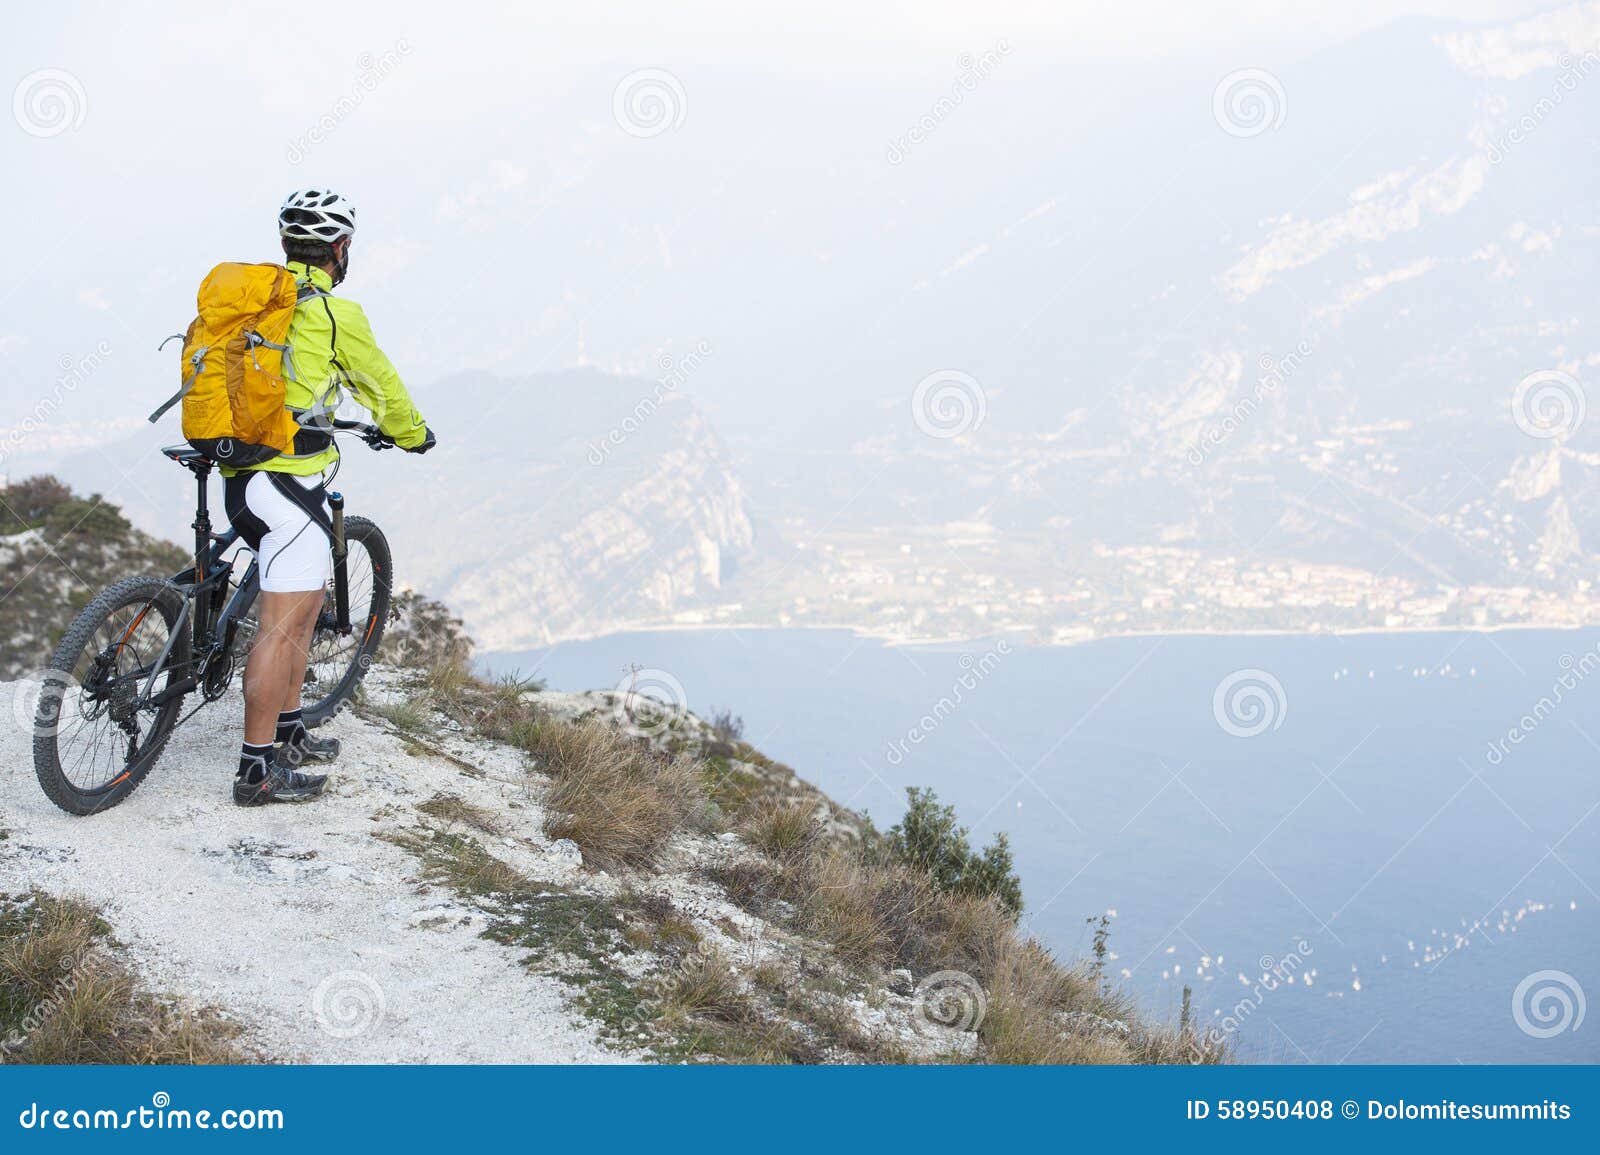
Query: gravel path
column 296, row 920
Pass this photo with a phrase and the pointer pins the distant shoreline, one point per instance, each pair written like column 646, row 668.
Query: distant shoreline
column 893, row 640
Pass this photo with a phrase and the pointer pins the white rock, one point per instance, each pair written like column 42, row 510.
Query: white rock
column 566, row 850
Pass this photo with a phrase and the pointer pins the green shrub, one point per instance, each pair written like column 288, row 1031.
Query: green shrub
column 92, row 519
column 929, row 838
column 26, row 504
column 424, row 634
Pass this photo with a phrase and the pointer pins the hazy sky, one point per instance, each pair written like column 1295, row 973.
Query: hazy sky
column 509, row 218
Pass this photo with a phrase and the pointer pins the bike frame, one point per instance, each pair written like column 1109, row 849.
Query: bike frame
column 210, row 575
column 211, row 618
column 204, row 585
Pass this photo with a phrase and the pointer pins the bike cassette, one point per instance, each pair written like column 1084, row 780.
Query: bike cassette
column 125, row 703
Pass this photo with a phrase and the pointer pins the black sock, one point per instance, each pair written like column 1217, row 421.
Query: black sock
column 290, row 726
column 253, row 762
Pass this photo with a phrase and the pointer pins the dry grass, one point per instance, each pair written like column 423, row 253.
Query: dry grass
column 714, row 1019
column 878, row 913
column 1165, row 1044
column 751, row 885
column 65, row 998
column 454, row 810
column 704, row 985
column 870, row 912
column 963, row 932
column 770, row 977
column 459, row 862
column 612, row 796
column 657, row 924
column 784, row 830
column 675, row 931
column 497, row 710
column 450, row 680
column 409, row 715
column 1027, row 993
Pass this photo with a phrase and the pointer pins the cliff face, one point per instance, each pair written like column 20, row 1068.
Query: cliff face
column 656, row 527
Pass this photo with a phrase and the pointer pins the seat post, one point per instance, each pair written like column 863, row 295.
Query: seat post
column 202, row 520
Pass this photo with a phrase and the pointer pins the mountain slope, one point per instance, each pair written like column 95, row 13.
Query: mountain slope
column 504, row 873
column 422, row 912
column 56, row 552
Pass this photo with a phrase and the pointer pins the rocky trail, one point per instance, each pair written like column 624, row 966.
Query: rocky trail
column 302, row 923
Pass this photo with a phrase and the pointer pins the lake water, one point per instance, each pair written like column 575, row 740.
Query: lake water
column 1346, row 813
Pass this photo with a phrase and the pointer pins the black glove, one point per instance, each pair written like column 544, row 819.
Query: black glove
column 428, row 442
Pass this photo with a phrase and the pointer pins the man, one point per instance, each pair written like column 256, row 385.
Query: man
column 280, row 506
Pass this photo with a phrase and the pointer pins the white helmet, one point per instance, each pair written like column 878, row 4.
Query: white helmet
column 316, row 214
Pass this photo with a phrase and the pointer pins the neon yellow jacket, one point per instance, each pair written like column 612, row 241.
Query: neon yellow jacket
column 328, row 329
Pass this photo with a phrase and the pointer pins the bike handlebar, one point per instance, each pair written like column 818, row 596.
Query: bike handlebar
column 371, row 434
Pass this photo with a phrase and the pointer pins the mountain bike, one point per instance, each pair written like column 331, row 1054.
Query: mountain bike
column 116, row 685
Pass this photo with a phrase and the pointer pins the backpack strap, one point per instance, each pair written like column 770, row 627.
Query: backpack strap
column 313, row 419
column 198, row 361
column 320, row 408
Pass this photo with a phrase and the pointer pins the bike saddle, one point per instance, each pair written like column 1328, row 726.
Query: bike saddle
column 186, row 455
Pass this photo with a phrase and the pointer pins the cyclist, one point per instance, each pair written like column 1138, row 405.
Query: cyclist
column 279, row 507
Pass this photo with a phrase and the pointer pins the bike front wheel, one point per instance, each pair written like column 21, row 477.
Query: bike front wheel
column 96, row 730
column 338, row 661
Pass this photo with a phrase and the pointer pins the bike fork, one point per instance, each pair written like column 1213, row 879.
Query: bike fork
column 341, row 578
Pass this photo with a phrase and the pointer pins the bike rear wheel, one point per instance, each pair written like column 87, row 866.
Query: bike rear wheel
column 93, row 741
column 338, row 662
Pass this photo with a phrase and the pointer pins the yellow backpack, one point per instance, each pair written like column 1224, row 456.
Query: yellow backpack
column 234, row 358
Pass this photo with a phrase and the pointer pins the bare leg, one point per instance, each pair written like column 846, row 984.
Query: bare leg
column 314, row 611
column 277, row 665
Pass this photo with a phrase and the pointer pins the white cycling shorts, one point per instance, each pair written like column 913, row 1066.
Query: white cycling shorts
column 291, row 548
